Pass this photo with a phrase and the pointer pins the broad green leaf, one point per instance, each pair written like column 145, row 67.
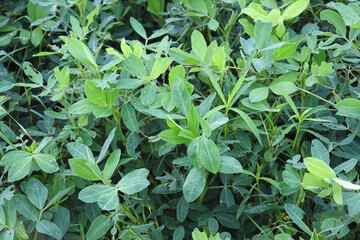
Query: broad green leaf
column 335, row 19
column 109, row 201
column 62, row 220
column 79, row 50
column 191, row 152
column 208, row 154
column 213, row 24
column 148, row 94
column 198, row 44
column 7, row 235
column 20, row 169
column 46, row 162
column 228, row 220
column 129, row 117
column 171, row 136
column 11, row 157
column 285, row 51
column 111, row 164
column 295, row 9
column 177, row 71
column 134, row 65
column 319, row 168
column 36, row 192
column 349, row 15
column 77, row 150
column 95, row 94
column 172, row 124
column 48, row 228
column 81, row 107
column 318, row 150
column 193, row 120
column 258, row 94
column 134, row 181
column 129, row 83
column 254, row 10
column 92, row 193
column 36, row 36
column 182, row 209
column 226, row 197
column 32, row 73
column 337, row 192
column 25, row 208
column 262, row 32
column 180, row 96
column 353, row 203
column 138, row 27
column 194, row 184
column 283, row 236
column 159, row 67
column 81, row 169
column 179, row 233
column 296, row 214
column 98, row 227
column 197, row 5
column 230, row 165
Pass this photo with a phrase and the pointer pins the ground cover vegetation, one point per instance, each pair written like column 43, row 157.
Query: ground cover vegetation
column 179, row 119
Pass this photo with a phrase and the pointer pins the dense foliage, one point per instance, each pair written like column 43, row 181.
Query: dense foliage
column 179, row 119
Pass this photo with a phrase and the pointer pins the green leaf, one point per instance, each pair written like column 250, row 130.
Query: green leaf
column 159, row 67
column 36, row 36
column 138, row 27
column 98, row 227
column 296, row 214
column 337, row 193
column 198, row 44
column 213, row 24
column 81, row 169
column 46, row 162
column 262, row 32
column 106, row 145
column 109, row 201
column 182, row 209
column 283, row 236
column 7, row 235
column 25, row 208
column 295, row 9
column 58, row 196
column 98, row 96
column 249, row 122
column 6, row 38
column 318, row 150
column 148, row 94
column 285, row 51
column 36, row 192
column 194, row 184
column 20, row 169
column 349, row 15
column 2, row 216
column 111, row 164
column 129, row 117
column 81, row 107
column 319, row 168
column 92, row 193
column 254, row 10
column 197, row 5
column 134, row 182
column 178, row 71
column 32, row 73
column 258, row 94
column 180, row 96
column 179, row 233
column 335, row 19
column 193, row 120
column 230, row 165
column 79, row 50
column 208, row 154
column 48, row 228
column 134, row 65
